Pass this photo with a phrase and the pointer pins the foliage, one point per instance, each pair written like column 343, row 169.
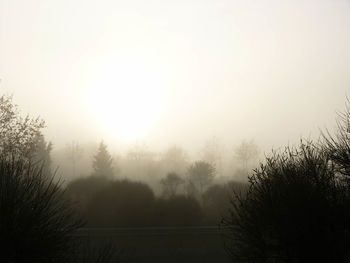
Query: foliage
column 102, row 163
column 296, row 210
column 18, row 135
column 36, row 220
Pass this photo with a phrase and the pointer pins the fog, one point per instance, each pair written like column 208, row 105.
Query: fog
column 176, row 72
column 183, row 131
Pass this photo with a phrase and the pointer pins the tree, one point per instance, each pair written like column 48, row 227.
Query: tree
column 211, row 153
column 246, row 153
column 201, row 174
column 175, row 159
column 102, row 163
column 18, row 135
column 74, row 153
column 296, row 210
column 171, row 183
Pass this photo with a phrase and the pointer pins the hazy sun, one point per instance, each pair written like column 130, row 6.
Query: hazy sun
column 125, row 97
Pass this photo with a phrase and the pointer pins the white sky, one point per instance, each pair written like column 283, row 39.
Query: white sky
column 182, row 71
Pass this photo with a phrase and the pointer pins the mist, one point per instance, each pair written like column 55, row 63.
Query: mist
column 168, row 117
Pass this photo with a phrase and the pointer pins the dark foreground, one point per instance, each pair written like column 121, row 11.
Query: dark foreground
column 163, row 245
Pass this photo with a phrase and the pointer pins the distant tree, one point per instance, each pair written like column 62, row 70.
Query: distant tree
column 246, row 153
column 175, row 159
column 42, row 155
column 211, row 153
column 171, row 183
column 18, row 135
column 201, row 174
column 74, row 153
column 102, row 163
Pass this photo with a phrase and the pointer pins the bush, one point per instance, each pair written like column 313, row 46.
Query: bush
column 296, row 210
column 178, row 211
column 121, row 203
column 36, row 220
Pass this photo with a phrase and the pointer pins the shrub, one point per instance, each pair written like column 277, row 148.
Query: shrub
column 178, row 210
column 296, row 210
column 121, row 203
column 36, row 221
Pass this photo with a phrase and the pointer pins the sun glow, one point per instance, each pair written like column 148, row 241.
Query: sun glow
column 126, row 97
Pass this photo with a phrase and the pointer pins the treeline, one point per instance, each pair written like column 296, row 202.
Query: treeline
column 139, row 162
column 104, row 202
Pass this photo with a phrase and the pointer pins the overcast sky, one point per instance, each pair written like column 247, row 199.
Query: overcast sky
column 177, row 72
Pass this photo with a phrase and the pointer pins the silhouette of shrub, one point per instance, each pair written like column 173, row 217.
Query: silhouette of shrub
column 81, row 190
column 296, row 210
column 121, row 203
column 178, row 211
column 36, row 221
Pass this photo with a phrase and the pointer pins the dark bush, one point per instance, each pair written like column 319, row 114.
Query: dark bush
column 296, row 210
column 121, row 203
column 216, row 200
column 36, row 221
column 178, row 211
column 81, row 190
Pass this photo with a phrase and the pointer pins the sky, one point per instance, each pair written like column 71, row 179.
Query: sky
column 177, row 72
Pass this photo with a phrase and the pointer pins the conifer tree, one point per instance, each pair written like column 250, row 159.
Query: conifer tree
column 102, row 163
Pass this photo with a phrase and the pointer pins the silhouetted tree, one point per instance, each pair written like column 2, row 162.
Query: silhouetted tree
column 296, row 210
column 201, row 174
column 171, row 183
column 102, row 163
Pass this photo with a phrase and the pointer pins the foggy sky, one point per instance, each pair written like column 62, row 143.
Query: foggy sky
column 268, row 70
